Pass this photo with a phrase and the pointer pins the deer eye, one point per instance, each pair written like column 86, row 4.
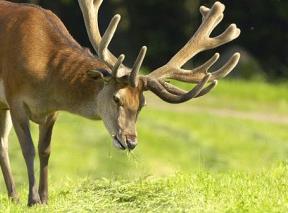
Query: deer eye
column 117, row 100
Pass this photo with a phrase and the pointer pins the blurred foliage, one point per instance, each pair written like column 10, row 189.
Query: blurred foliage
column 165, row 26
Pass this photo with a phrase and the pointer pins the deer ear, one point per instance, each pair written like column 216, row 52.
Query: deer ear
column 98, row 74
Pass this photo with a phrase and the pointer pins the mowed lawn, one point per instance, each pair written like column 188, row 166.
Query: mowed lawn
column 225, row 152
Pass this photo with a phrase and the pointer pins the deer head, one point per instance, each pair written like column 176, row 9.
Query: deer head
column 121, row 98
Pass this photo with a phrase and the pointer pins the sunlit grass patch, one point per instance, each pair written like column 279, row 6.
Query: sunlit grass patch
column 264, row 191
column 201, row 156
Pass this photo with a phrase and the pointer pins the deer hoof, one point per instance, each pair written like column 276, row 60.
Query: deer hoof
column 34, row 201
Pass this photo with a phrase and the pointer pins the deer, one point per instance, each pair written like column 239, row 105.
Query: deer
column 45, row 71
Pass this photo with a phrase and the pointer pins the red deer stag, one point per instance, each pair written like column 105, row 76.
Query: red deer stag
column 44, row 70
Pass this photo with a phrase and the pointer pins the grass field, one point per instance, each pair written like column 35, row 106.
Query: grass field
column 226, row 152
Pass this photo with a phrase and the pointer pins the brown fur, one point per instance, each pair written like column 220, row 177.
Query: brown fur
column 38, row 52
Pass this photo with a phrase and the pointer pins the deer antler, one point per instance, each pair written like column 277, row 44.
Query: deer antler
column 90, row 10
column 155, row 81
column 201, row 41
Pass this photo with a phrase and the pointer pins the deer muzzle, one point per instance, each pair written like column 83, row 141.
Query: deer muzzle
column 127, row 142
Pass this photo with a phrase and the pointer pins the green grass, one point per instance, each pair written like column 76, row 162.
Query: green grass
column 236, row 192
column 225, row 152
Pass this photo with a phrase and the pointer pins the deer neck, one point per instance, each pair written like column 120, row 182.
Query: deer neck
column 74, row 91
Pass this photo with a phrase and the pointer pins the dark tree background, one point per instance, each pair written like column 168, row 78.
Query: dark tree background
column 164, row 26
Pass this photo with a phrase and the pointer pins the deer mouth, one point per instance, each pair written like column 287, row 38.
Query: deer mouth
column 118, row 144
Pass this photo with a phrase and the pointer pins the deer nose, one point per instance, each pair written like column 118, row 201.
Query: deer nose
column 131, row 142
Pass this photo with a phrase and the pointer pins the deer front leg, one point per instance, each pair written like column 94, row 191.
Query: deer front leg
column 5, row 127
column 21, row 126
column 45, row 132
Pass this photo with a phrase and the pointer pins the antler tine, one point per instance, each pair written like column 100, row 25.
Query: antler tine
column 195, row 75
column 177, row 91
column 229, row 34
column 210, row 62
column 207, row 89
column 227, row 68
column 117, row 65
column 137, row 66
column 156, row 87
column 204, row 11
column 90, row 10
column 106, row 39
